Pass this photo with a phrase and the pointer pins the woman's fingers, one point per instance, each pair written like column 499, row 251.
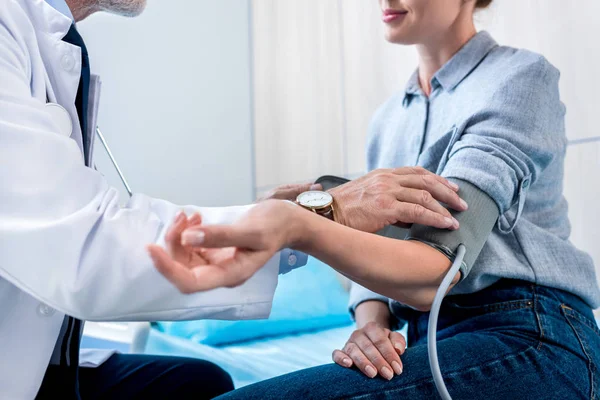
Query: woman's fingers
column 398, row 341
column 382, row 342
column 360, row 359
column 342, row 359
column 373, row 349
column 372, row 352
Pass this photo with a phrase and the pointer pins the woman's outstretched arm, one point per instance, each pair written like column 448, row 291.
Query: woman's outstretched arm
column 407, row 271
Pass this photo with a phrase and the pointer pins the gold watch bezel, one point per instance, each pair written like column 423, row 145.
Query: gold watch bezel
column 328, row 205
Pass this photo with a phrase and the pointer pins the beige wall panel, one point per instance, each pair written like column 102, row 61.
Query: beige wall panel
column 297, row 90
column 373, row 71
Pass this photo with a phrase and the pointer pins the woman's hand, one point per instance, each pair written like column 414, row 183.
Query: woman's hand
column 198, row 258
column 400, row 196
column 373, row 349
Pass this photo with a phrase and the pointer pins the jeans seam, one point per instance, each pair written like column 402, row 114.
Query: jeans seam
column 538, row 318
column 445, row 375
column 584, row 347
column 511, row 305
column 575, row 314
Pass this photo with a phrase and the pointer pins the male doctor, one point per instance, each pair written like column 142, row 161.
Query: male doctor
column 69, row 252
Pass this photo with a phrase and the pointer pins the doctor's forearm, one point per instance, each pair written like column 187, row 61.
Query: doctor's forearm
column 407, row 271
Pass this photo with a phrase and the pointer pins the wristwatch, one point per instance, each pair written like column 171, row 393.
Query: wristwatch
column 318, row 202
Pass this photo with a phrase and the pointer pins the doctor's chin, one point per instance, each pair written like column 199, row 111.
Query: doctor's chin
column 277, row 199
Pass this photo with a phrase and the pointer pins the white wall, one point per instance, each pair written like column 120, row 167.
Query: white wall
column 176, row 99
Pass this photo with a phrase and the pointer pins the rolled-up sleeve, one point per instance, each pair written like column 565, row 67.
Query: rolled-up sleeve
column 360, row 294
column 504, row 148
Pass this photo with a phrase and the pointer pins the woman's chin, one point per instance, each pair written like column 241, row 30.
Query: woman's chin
column 396, row 37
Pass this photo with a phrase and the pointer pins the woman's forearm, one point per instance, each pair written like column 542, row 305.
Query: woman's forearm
column 372, row 311
column 407, row 271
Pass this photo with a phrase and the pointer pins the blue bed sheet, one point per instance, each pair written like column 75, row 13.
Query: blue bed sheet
column 254, row 361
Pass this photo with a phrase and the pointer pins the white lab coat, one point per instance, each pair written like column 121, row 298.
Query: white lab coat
column 66, row 247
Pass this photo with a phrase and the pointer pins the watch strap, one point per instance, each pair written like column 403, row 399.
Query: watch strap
column 326, row 212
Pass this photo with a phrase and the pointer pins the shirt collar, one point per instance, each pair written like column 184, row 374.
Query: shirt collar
column 62, row 7
column 459, row 66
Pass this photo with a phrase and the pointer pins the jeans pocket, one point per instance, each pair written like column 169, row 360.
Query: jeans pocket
column 588, row 337
column 572, row 313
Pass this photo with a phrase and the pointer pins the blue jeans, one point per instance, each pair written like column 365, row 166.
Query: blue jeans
column 514, row 340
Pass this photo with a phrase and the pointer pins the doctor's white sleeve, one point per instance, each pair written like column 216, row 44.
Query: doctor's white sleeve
column 64, row 238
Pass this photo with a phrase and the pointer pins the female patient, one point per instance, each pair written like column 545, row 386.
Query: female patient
column 518, row 321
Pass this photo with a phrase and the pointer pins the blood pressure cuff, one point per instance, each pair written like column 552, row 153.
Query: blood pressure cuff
column 476, row 224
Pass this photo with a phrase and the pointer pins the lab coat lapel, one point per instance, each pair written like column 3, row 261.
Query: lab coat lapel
column 62, row 62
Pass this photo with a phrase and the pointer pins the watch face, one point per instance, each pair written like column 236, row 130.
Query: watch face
column 315, row 199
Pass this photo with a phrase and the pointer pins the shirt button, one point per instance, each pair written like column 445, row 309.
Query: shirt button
column 45, row 311
column 67, row 62
column 292, row 260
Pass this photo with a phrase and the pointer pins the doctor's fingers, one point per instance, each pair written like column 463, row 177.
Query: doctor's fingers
column 177, row 226
column 418, row 206
column 423, row 172
column 173, row 237
column 435, row 188
column 186, row 280
column 408, row 213
column 229, row 267
column 174, row 272
column 195, row 219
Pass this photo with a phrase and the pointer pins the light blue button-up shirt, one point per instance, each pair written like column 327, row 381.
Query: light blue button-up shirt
column 289, row 259
column 494, row 118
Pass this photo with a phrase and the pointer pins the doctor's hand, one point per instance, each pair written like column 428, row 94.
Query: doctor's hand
column 400, row 196
column 193, row 266
column 189, row 269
